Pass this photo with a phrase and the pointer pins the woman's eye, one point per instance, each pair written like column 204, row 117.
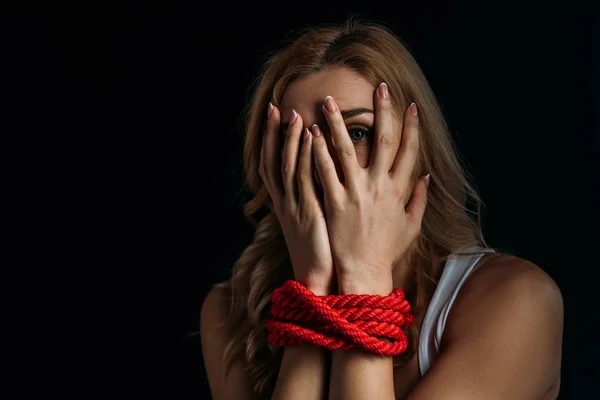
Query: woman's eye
column 358, row 134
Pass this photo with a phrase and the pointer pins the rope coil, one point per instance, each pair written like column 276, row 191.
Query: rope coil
column 339, row 322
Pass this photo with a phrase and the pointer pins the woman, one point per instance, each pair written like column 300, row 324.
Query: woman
column 342, row 127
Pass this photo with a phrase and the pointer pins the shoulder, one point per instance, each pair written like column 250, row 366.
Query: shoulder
column 503, row 282
column 226, row 380
column 215, row 308
column 510, row 311
column 503, row 336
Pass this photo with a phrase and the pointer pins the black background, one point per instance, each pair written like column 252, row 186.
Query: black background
column 121, row 175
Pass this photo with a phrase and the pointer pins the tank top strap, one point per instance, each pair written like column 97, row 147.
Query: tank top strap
column 457, row 269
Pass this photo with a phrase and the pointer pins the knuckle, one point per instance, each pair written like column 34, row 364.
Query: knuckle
column 411, row 124
column 336, row 118
column 377, row 192
column 327, row 169
column 413, row 146
column 386, row 106
column 336, row 204
column 320, row 148
column 356, row 201
column 304, row 178
column 285, row 167
column 347, row 151
column 387, row 141
column 399, row 193
column 304, row 150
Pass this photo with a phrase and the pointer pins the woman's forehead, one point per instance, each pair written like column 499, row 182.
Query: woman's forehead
column 306, row 95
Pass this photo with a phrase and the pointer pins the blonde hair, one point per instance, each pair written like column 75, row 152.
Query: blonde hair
column 376, row 53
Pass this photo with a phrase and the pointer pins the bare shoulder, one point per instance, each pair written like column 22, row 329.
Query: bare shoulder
column 215, row 307
column 510, row 311
column 226, row 381
column 214, row 332
column 504, row 280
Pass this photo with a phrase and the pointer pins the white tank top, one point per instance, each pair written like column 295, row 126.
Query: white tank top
column 457, row 269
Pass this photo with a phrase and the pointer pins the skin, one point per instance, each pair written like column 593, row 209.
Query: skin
column 503, row 336
column 352, row 92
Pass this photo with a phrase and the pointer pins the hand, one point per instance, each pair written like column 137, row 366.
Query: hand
column 290, row 183
column 369, row 228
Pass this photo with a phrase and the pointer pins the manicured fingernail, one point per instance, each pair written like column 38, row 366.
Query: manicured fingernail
column 316, row 131
column 427, row 179
column 383, row 90
column 269, row 110
column 306, row 133
column 330, row 104
column 413, row 109
column 293, row 118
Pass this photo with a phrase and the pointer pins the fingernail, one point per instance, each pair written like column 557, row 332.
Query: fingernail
column 269, row 110
column 413, row 109
column 329, row 104
column 316, row 131
column 293, row 118
column 427, row 179
column 383, row 90
column 306, row 133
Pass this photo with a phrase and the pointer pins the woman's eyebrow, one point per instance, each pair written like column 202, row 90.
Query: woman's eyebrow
column 346, row 114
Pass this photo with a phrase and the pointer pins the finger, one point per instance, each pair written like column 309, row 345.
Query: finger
column 387, row 139
column 271, row 156
column 306, row 185
column 416, row 206
column 409, row 147
column 324, row 164
column 289, row 161
column 341, row 140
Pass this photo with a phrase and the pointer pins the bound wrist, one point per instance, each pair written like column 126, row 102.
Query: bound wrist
column 381, row 286
column 318, row 286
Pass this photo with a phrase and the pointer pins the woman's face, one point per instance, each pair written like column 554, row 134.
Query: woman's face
column 354, row 96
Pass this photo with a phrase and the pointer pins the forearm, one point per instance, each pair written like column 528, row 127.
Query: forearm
column 357, row 374
column 304, row 370
column 303, row 374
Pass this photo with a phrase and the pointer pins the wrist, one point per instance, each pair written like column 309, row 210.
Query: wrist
column 382, row 285
column 319, row 286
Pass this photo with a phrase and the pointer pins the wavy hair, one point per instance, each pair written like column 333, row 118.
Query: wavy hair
column 449, row 225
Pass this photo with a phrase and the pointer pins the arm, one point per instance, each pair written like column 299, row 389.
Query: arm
column 303, row 371
column 357, row 374
column 369, row 230
column 303, row 368
column 303, row 374
column 502, row 339
column 214, row 335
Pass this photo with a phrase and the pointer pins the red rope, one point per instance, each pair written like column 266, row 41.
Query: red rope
column 339, row 322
